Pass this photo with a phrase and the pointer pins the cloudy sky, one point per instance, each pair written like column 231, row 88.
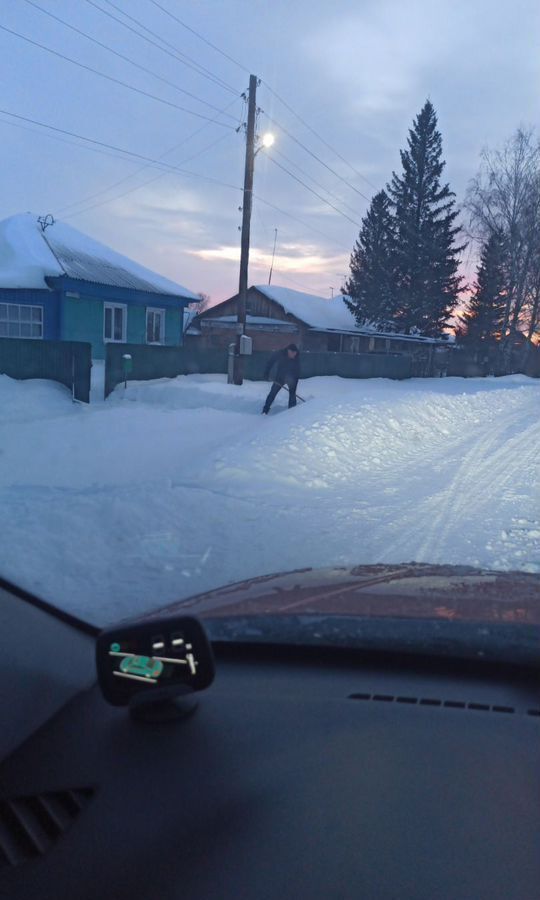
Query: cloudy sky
column 355, row 72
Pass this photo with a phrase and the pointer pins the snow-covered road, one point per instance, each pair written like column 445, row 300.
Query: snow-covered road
column 173, row 487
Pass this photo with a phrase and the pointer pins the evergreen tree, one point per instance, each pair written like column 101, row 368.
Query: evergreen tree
column 484, row 316
column 370, row 285
column 425, row 254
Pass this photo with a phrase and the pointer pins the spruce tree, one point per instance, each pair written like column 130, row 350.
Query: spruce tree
column 370, row 285
column 425, row 255
column 484, row 317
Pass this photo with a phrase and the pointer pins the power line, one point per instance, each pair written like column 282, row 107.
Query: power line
column 314, row 155
column 285, row 131
column 139, row 156
column 55, row 137
column 118, row 183
column 297, row 219
column 130, row 87
column 120, row 55
column 103, row 146
column 200, row 36
column 317, row 135
column 273, row 92
column 310, row 178
column 194, row 63
column 141, row 168
column 270, row 89
column 227, row 56
column 326, row 166
column 177, row 54
column 294, row 218
column 319, row 196
column 138, row 187
column 168, row 168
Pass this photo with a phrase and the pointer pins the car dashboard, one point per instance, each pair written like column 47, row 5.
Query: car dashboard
column 303, row 772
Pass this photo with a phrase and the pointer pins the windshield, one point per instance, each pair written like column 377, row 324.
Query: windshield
column 270, row 322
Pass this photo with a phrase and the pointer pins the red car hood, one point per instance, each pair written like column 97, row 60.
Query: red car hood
column 400, row 591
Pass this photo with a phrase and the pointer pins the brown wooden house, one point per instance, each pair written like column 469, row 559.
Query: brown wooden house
column 277, row 316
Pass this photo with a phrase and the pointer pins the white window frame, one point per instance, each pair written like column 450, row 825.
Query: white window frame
column 161, row 311
column 8, row 321
column 112, row 306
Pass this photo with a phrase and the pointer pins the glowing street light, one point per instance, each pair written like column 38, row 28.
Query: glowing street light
column 265, row 142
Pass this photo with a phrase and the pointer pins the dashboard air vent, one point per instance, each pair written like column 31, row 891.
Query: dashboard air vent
column 29, row 826
column 447, row 704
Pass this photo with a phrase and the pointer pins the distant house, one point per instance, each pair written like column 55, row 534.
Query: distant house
column 518, row 354
column 277, row 315
column 58, row 284
column 524, row 354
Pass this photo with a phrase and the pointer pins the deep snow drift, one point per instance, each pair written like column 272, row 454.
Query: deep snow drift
column 176, row 486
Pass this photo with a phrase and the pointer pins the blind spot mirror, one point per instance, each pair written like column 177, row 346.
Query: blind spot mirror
column 155, row 666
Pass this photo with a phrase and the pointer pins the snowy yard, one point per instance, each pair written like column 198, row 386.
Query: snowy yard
column 173, row 487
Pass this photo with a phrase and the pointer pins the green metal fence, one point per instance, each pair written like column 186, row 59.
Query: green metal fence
column 357, row 365
column 147, row 363
column 468, row 364
column 68, row 362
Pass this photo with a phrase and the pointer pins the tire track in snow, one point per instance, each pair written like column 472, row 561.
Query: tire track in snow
column 485, row 462
column 480, row 472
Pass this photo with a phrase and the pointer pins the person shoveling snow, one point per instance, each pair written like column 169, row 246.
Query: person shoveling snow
column 286, row 363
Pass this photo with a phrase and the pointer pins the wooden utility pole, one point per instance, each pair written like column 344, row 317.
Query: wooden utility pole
column 246, row 222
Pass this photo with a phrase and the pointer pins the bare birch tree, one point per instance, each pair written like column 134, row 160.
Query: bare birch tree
column 505, row 197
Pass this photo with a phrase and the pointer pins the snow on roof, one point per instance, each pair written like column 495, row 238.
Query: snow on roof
column 317, row 312
column 28, row 255
column 332, row 315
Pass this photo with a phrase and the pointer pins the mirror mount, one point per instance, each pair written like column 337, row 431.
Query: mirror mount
column 167, row 705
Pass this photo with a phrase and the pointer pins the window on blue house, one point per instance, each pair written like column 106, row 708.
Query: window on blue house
column 21, row 321
column 115, row 322
column 155, row 326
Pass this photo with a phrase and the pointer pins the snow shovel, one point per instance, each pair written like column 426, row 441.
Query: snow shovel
column 298, row 397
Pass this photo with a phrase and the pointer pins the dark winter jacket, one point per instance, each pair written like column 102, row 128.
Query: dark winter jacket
column 287, row 370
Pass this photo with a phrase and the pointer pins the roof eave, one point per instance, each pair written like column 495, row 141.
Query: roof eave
column 67, row 281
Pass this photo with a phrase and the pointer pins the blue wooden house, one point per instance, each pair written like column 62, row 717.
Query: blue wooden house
column 58, row 284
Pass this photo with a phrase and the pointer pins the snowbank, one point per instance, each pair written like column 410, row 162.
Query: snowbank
column 176, row 486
